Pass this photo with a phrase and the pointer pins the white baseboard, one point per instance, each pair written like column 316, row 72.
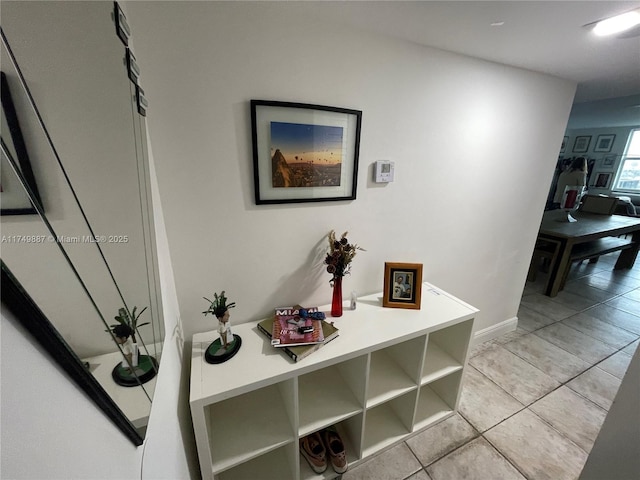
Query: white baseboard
column 494, row 331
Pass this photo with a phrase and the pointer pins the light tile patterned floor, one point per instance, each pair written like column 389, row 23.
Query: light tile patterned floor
column 534, row 400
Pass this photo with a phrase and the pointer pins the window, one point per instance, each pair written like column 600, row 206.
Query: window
column 628, row 179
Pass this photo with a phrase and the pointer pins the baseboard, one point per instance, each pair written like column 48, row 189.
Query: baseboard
column 495, row 331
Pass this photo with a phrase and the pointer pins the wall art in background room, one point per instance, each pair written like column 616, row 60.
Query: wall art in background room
column 581, row 144
column 304, row 153
column 602, row 180
column 604, row 143
column 402, row 285
column 608, row 161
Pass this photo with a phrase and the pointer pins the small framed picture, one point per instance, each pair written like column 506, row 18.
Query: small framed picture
column 604, row 143
column 602, row 180
column 402, row 285
column 563, row 147
column 608, row 161
column 581, row 144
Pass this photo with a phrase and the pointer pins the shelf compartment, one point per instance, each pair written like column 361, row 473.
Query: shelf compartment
column 387, row 378
column 263, row 412
column 437, row 400
column 331, row 395
column 279, row 464
column 388, row 423
column 446, row 351
column 350, row 431
column 438, row 363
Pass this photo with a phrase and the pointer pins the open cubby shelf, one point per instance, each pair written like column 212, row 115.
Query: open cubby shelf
column 390, row 373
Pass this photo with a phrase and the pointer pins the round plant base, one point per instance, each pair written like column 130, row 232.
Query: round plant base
column 216, row 353
column 146, row 369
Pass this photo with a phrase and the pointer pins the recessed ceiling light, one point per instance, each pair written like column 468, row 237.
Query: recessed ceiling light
column 617, row 24
column 497, row 24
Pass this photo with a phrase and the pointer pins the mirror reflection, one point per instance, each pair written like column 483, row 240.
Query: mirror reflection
column 87, row 255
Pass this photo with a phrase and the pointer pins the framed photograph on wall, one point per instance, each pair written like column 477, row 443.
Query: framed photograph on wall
column 303, row 152
column 402, row 285
column 602, row 180
column 604, row 143
column 608, row 161
column 581, row 144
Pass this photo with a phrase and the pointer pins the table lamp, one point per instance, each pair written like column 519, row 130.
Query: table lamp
column 571, row 201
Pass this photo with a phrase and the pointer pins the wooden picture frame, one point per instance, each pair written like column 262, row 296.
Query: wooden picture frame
column 18, row 188
column 581, row 144
column 304, row 152
column 402, row 285
column 604, row 143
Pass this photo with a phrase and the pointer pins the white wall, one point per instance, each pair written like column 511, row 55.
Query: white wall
column 616, row 451
column 462, row 203
column 169, row 445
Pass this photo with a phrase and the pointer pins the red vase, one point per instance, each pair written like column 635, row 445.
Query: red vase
column 336, row 302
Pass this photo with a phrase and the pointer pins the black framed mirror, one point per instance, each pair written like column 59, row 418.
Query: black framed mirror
column 84, row 252
column 18, row 301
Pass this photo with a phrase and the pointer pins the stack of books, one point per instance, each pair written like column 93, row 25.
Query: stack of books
column 298, row 331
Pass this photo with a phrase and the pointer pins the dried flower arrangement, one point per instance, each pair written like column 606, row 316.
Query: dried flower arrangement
column 340, row 255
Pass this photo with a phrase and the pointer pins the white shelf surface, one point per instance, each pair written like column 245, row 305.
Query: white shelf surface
column 261, row 413
column 431, row 409
column 438, row 363
column 324, row 399
column 367, row 328
column 133, row 401
column 262, row 468
column 386, row 379
column 382, row 429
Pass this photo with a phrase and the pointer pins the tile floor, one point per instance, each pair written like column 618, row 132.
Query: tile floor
column 571, row 351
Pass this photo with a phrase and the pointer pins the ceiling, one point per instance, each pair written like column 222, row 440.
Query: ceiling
column 545, row 36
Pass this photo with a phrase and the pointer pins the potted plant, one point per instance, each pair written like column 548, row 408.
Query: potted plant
column 134, row 369
column 228, row 344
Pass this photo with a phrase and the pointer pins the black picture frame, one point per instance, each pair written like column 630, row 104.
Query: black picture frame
column 604, row 143
column 329, row 135
column 23, row 307
column 602, row 180
column 122, row 27
column 23, row 200
column 581, row 144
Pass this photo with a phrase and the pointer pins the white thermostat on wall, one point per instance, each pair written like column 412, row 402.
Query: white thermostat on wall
column 384, row 171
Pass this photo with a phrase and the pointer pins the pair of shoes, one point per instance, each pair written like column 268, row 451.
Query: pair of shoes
column 315, row 447
column 335, row 448
column 313, row 450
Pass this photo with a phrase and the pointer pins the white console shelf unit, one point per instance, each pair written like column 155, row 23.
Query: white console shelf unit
column 389, row 374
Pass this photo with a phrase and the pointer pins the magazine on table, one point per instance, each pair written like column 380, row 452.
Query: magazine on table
column 297, row 353
column 297, row 326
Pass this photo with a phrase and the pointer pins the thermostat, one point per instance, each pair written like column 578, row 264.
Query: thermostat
column 384, row 171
